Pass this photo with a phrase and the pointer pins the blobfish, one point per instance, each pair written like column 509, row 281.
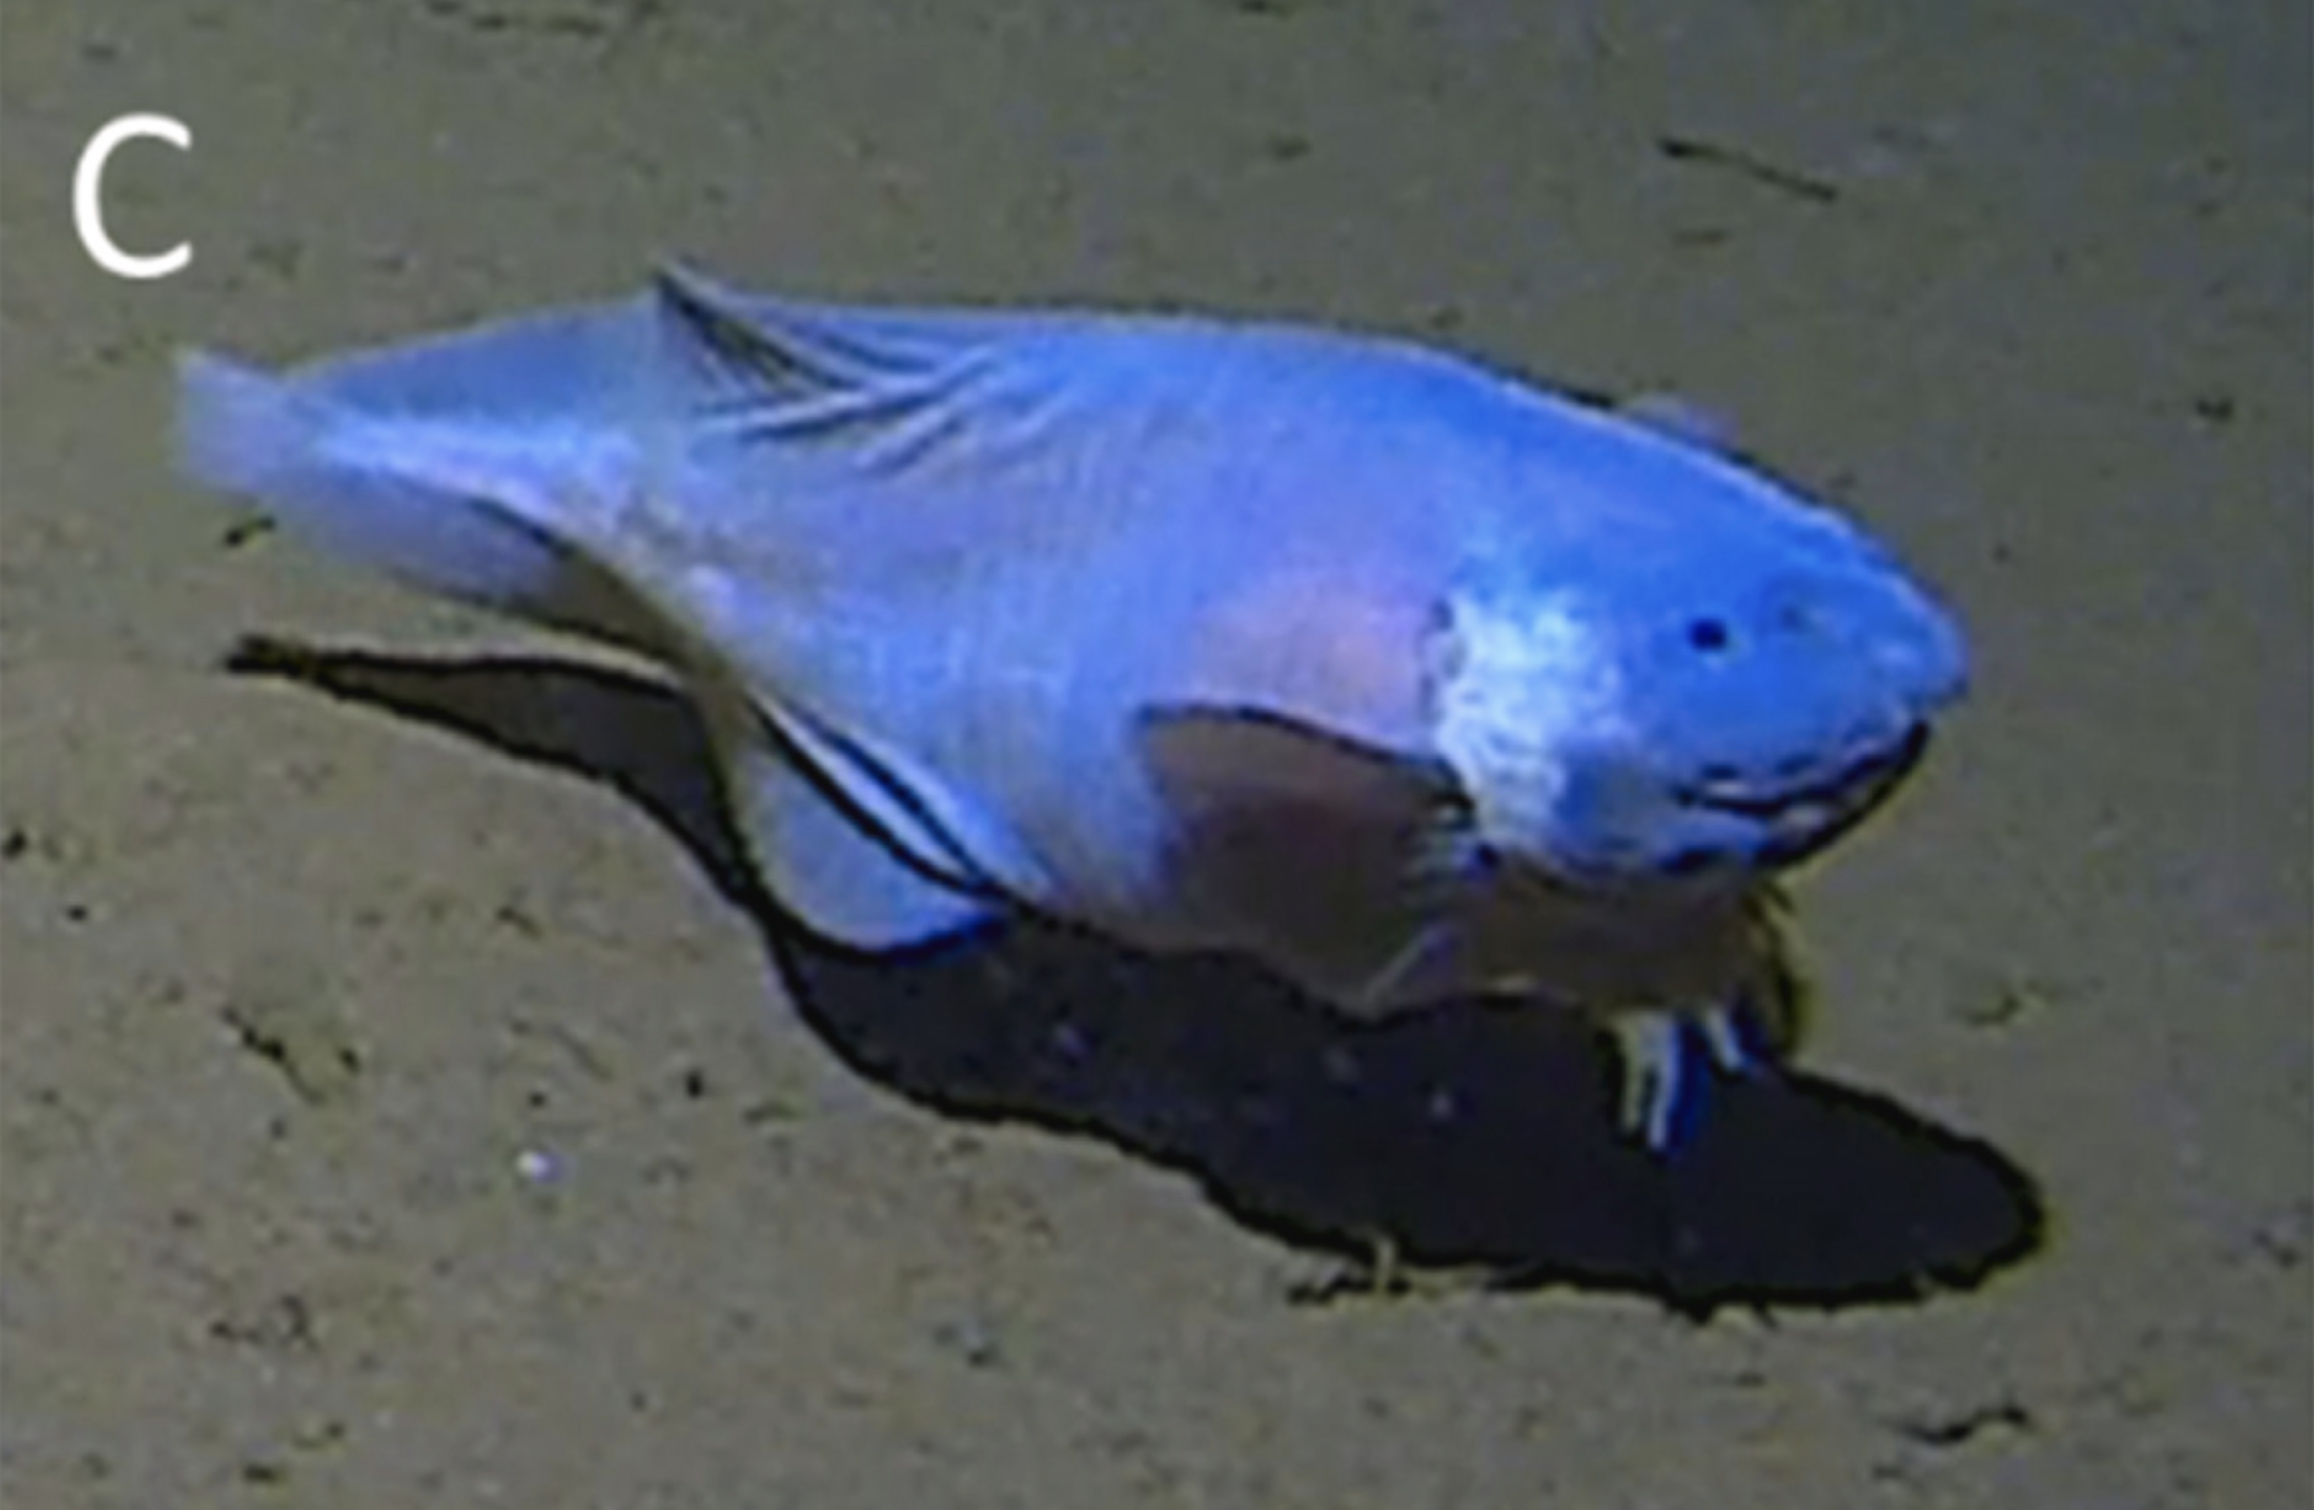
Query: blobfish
column 1407, row 677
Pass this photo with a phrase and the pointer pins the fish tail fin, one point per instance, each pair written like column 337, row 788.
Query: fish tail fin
column 266, row 438
column 396, row 499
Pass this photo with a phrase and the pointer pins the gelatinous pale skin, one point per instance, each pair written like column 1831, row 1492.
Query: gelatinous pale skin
column 1410, row 679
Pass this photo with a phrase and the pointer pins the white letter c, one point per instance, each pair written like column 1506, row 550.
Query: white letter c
column 87, row 197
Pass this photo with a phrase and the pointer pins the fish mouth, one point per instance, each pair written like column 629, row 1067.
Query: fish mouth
column 1805, row 818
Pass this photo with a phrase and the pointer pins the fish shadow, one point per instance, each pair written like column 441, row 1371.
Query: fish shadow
column 1469, row 1138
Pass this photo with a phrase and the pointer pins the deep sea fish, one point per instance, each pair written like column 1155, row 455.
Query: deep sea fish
column 1400, row 675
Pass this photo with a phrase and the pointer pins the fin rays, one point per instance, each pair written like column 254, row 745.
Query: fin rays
column 879, row 802
column 774, row 373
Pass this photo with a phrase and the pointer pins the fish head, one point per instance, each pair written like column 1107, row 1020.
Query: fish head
column 1701, row 696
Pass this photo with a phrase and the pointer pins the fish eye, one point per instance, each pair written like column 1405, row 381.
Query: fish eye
column 1709, row 634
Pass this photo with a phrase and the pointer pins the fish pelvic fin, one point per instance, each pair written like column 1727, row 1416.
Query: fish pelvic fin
column 821, row 844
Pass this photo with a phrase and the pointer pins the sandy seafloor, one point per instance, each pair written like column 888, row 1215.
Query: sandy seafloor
column 394, row 1116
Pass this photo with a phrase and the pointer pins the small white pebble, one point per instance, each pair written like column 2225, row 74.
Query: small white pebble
column 536, row 1165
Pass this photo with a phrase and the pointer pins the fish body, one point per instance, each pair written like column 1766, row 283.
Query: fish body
column 1400, row 674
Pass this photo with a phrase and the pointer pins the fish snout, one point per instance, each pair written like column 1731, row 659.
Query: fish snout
column 1922, row 661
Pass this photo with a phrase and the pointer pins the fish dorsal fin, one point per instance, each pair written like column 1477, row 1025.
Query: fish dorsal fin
column 1315, row 851
column 1679, row 418
column 868, row 388
column 727, row 343
column 791, row 354
column 1663, row 412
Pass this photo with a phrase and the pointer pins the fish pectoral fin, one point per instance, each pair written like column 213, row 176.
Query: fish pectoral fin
column 1217, row 760
column 1425, row 968
column 1306, row 849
